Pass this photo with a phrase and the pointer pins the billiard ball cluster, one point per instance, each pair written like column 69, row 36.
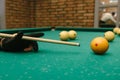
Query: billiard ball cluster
column 100, row 45
column 66, row 35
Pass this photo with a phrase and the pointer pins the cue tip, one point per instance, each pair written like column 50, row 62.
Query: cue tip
column 78, row 44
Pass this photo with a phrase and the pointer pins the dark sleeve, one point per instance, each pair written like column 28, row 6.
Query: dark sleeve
column 13, row 44
column 17, row 38
column 18, row 44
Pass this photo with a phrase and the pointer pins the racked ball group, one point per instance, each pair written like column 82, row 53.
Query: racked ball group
column 65, row 35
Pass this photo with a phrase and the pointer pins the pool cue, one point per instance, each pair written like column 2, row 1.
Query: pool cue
column 42, row 40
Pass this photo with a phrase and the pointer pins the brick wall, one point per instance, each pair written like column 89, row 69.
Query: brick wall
column 65, row 13
column 32, row 18
column 19, row 13
column 39, row 13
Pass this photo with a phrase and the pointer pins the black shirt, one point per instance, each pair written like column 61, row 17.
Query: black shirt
column 14, row 45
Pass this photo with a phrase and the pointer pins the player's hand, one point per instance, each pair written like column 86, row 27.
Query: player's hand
column 30, row 48
column 18, row 35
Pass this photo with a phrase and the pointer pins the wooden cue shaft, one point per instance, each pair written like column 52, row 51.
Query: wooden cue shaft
column 42, row 40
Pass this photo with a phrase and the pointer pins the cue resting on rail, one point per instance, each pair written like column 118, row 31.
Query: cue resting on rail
column 42, row 40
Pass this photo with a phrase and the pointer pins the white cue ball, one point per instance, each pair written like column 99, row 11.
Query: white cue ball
column 109, row 35
column 64, row 35
column 72, row 34
column 115, row 30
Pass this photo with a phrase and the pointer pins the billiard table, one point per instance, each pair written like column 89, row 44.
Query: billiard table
column 62, row 62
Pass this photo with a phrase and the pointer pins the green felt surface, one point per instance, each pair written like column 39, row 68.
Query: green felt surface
column 63, row 62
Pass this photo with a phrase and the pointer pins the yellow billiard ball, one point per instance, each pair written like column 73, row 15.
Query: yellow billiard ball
column 99, row 45
column 64, row 36
column 109, row 35
column 118, row 32
column 72, row 34
column 115, row 30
